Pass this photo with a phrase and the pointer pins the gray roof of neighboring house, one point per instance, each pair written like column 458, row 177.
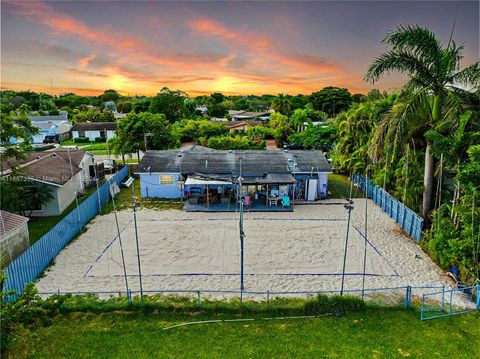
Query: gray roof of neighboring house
column 43, row 125
column 62, row 116
column 10, row 221
column 94, row 126
column 228, row 162
column 250, row 114
column 48, row 166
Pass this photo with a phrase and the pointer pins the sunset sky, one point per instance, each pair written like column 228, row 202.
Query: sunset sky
column 201, row 47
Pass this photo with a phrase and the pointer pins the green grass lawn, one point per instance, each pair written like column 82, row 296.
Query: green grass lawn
column 38, row 226
column 376, row 333
column 339, row 186
column 123, row 200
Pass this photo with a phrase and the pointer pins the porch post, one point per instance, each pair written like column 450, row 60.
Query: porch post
column 266, row 196
column 208, row 202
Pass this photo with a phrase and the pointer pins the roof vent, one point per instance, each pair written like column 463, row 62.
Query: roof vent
column 289, row 160
column 230, row 151
column 179, row 155
column 285, row 150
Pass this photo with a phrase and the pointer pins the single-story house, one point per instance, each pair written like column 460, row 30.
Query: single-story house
column 212, row 177
column 242, row 125
column 249, row 115
column 14, row 238
column 51, row 128
column 93, row 130
column 64, row 171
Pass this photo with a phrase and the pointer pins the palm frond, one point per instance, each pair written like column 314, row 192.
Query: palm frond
column 401, row 61
column 469, row 76
column 419, row 40
column 390, row 134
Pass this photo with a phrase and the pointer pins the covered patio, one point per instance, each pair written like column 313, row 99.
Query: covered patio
column 217, row 193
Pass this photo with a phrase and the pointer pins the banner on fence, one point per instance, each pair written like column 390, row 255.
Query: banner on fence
column 410, row 222
column 31, row 263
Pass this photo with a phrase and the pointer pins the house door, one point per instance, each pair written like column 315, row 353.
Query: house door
column 312, row 190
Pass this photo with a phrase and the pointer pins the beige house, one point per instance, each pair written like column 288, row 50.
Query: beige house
column 65, row 172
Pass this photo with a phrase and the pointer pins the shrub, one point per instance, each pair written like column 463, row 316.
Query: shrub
column 235, row 143
column 28, row 310
column 100, row 139
column 81, row 140
column 333, row 304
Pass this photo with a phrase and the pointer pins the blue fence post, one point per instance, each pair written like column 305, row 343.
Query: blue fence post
column 443, row 299
column 408, row 297
column 478, row 296
column 450, row 310
column 422, row 311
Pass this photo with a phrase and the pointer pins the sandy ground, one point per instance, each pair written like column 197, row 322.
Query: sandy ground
column 292, row 251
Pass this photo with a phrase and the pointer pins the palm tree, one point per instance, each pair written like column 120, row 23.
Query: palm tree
column 429, row 99
column 299, row 117
column 281, row 104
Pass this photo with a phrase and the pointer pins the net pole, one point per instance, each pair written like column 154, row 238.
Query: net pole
column 365, row 237
column 121, row 245
column 242, row 233
column 137, row 244
column 349, row 208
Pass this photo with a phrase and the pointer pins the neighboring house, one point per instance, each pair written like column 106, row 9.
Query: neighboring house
column 242, row 125
column 248, row 115
column 51, row 128
column 64, row 171
column 93, row 130
column 14, row 238
column 212, row 175
column 50, row 125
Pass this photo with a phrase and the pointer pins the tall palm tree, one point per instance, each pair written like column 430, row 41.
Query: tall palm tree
column 281, row 104
column 431, row 97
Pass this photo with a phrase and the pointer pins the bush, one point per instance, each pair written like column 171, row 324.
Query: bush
column 81, row 140
column 100, row 139
column 28, row 310
column 334, row 304
column 235, row 143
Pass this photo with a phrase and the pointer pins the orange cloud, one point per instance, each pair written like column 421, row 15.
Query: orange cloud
column 84, row 62
column 211, row 27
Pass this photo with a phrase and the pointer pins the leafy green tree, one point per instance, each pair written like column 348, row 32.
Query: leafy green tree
column 217, row 110
column 140, row 104
column 170, row 103
column 281, row 104
column 429, row 99
column 22, row 195
column 216, row 98
column 143, row 131
column 109, row 95
column 282, row 126
column 110, row 106
column 241, row 104
column 358, row 98
column 298, row 102
column 331, row 100
column 93, row 115
column 15, row 127
column 320, row 137
column 124, row 106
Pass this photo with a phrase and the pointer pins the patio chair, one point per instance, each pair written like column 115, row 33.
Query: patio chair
column 273, row 201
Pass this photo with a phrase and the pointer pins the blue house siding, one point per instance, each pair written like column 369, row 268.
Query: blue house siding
column 151, row 188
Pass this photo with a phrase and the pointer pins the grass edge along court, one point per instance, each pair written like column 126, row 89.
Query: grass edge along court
column 115, row 329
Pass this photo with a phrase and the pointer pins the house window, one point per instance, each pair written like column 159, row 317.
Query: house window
column 81, row 133
column 166, row 179
column 102, row 133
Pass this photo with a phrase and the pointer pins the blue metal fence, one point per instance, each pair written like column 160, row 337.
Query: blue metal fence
column 31, row 263
column 440, row 303
column 410, row 222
